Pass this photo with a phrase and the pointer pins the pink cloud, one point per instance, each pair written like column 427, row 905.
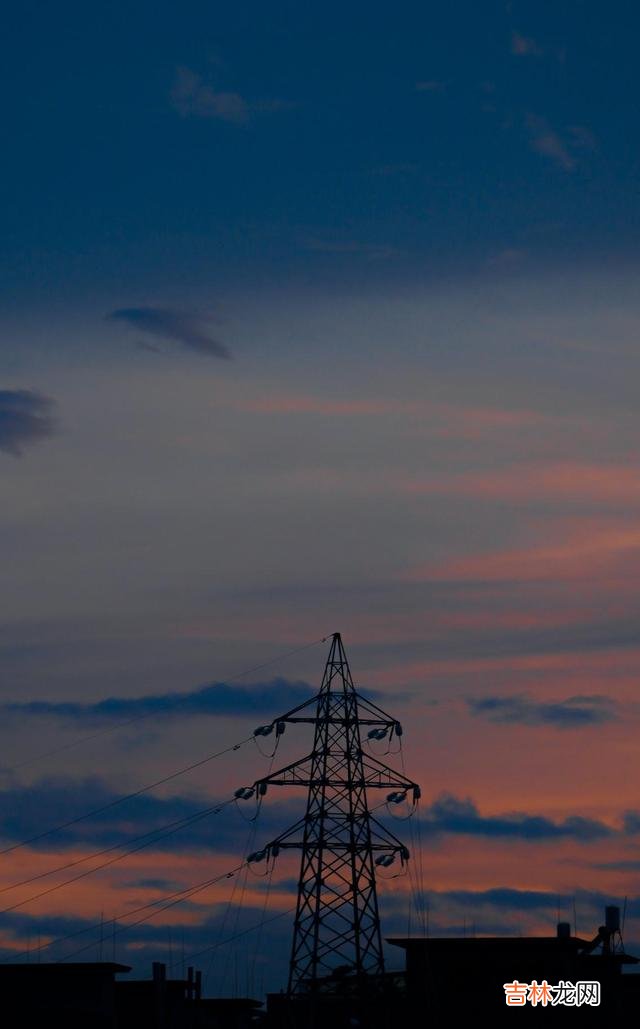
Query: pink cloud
column 447, row 420
column 474, row 422
column 584, row 553
column 292, row 404
column 556, row 481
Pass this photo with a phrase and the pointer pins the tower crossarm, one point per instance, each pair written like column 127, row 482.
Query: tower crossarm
column 376, row 773
column 381, row 841
column 301, row 773
column 374, row 715
column 298, row 773
column 375, row 710
column 387, row 723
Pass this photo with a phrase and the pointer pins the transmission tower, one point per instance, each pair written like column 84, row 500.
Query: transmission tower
column 337, row 924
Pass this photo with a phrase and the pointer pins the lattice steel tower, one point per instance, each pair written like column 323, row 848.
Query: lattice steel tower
column 337, row 924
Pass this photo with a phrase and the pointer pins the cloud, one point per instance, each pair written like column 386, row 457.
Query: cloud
column 370, row 251
column 283, row 403
column 395, row 168
column 561, row 149
column 544, row 140
column 430, row 86
column 617, row 866
column 262, row 699
column 574, row 553
column 572, row 713
column 511, row 911
column 203, row 928
column 25, row 418
column 582, row 138
column 191, row 96
column 631, row 822
column 64, row 798
column 519, row 911
column 27, row 811
column 508, row 257
column 163, row 884
column 449, row 814
column 179, row 326
column 504, row 897
column 576, row 482
column 524, row 46
column 568, row 480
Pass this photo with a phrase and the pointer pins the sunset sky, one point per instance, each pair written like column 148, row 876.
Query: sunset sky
column 319, row 317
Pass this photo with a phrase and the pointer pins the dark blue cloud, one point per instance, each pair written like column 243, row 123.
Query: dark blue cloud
column 572, row 713
column 489, row 912
column 617, row 866
column 26, row 812
column 25, row 418
column 450, row 814
column 221, row 938
column 164, row 885
column 509, row 899
column 503, row 910
column 631, row 822
column 262, row 699
column 178, row 326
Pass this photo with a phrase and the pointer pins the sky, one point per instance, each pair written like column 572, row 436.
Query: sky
column 318, row 318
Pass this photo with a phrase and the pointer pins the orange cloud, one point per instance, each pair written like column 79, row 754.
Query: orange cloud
column 558, row 481
column 581, row 551
column 577, row 671
column 445, row 419
column 300, row 404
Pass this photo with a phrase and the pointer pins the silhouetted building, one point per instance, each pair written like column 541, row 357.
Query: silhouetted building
column 74, row 995
column 85, row 995
column 342, row 1001
column 560, row 977
column 161, row 1003
column 230, row 1013
column 448, row 979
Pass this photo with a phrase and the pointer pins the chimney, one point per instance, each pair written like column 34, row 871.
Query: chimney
column 612, row 918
